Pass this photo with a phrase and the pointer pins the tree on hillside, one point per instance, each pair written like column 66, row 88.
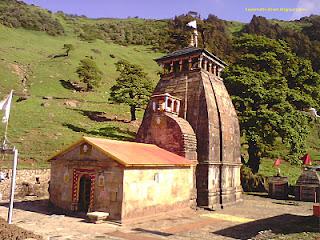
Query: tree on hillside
column 132, row 87
column 89, row 73
column 298, row 41
column 68, row 48
column 213, row 34
column 270, row 86
column 312, row 29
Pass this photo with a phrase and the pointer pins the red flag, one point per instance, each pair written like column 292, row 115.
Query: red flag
column 306, row 159
column 277, row 162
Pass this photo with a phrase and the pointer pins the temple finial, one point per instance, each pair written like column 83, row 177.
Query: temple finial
column 194, row 37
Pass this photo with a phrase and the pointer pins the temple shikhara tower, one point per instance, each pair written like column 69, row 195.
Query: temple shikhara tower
column 191, row 114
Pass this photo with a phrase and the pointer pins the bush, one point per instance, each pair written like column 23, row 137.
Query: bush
column 252, row 182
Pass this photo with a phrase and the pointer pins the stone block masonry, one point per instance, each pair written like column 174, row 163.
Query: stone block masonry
column 28, row 182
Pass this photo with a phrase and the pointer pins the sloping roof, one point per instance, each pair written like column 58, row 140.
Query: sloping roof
column 189, row 51
column 131, row 154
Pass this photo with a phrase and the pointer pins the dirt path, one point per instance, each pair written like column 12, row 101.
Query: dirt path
column 242, row 221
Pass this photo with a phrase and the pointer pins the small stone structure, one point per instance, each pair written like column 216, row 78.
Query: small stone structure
column 191, row 114
column 308, row 185
column 278, row 187
column 127, row 180
column 97, row 217
column 26, row 183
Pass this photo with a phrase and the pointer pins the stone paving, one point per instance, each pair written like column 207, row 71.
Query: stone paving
column 242, row 221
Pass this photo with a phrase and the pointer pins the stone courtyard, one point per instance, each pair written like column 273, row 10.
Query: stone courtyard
column 257, row 217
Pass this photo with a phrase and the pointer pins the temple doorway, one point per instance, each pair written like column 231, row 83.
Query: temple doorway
column 84, row 193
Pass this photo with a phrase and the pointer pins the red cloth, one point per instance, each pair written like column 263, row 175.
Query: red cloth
column 306, row 159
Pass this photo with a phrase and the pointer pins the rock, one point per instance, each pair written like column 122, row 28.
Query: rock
column 47, row 97
column 71, row 103
column 45, row 104
column 97, row 217
column 23, row 98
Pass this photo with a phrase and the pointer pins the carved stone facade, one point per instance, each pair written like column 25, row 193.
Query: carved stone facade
column 191, row 114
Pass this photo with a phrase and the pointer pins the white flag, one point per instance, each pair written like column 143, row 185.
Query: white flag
column 192, row 24
column 313, row 112
column 5, row 106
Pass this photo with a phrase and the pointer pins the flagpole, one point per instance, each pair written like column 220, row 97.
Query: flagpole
column 13, row 183
column 5, row 133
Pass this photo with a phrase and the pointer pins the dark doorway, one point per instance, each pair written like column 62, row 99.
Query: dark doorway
column 84, row 193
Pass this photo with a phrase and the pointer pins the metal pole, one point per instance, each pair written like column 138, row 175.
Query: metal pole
column 13, row 184
column 186, row 99
column 5, row 134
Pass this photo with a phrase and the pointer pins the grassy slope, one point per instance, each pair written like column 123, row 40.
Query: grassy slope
column 39, row 131
column 45, row 130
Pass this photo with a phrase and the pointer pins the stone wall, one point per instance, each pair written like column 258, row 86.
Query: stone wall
column 152, row 191
column 26, row 183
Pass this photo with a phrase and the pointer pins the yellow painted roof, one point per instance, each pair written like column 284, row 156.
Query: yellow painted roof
column 132, row 153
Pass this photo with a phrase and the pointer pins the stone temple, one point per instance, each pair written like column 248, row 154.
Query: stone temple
column 187, row 150
column 191, row 114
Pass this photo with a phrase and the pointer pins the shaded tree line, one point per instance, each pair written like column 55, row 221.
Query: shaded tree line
column 271, row 87
column 18, row 14
column 126, row 32
column 305, row 43
column 213, row 34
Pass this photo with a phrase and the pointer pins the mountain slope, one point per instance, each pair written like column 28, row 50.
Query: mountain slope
column 38, row 126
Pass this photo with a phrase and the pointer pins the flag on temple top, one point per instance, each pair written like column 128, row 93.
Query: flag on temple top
column 313, row 112
column 277, row 162
column 192, row 24
column 306, row 159
column 5, row 106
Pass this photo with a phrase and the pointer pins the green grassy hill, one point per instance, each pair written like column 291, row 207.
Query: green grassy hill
column 53, row 116
column 39, row 127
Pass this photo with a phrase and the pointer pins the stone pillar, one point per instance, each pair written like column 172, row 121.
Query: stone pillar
column 205, row 66
column 215, row 70
column 180, row 65
column 178, row 107
column 219, row 71
column 165, row 103
column 154, row 105
column 172, row 105
column 190, row 63
column 163, row 68
column 171, row 67
column 210, row 67
column 200, row 62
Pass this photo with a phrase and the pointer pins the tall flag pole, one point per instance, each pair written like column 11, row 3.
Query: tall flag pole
column 13, row 183
column 5, row 106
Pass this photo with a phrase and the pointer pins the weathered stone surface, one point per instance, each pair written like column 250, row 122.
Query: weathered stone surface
column 97, row 217
column 124, row 193
column 149, row 191
column 207, row 108
column 26, row 176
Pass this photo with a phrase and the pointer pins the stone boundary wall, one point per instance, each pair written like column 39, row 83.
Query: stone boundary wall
column 26, row 184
